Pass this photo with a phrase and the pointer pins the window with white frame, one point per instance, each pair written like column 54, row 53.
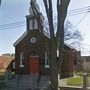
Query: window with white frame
column 31, row 24
column 46, row 61
column 35, row 24
column 21, row 59
column 13, row 65
column 57, row 53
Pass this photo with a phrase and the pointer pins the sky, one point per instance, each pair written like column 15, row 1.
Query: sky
column 13, row 12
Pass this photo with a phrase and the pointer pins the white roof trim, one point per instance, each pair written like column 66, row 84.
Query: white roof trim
column 46, row 34
column 21, row 38
column 24, row 35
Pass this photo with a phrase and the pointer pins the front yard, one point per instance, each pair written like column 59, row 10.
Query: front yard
column 75, row 81
column 78, row 80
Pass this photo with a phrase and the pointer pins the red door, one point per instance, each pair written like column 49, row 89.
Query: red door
column 34, row 65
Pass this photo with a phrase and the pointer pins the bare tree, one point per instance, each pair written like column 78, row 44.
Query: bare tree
column 72, row 36
column 57, row 41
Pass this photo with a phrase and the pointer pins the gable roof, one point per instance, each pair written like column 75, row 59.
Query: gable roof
column 45, row 34
column 5, row 61
column 25, row 34
column 21, row 38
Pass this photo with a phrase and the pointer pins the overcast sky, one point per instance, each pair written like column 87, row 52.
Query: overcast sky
column 14, row 11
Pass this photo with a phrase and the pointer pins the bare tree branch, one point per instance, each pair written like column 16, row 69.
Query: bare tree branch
column 62, row 12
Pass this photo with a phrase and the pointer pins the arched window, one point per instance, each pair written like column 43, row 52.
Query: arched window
column 46, row 60
column 35, row 24
column 21, row 59
column 31, row 24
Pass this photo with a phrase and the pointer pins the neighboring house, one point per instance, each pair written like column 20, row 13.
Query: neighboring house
column 85, row 62
column 5, row 62
column 9, row 54
column 71, row 62
column 78, row 60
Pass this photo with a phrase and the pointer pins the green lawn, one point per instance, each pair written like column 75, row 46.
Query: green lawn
column 75, row 81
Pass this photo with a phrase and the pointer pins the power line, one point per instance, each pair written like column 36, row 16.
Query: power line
column 12, row 27
column 80, row 9
column 80, row 20
column 14, row 23
column 68, row 15
column 22, row 23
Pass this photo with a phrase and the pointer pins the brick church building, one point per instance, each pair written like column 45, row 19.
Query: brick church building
column 32, row 49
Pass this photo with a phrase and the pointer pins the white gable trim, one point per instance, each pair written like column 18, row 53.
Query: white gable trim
column 21, row 38
column 24, row 35
column 46, row 34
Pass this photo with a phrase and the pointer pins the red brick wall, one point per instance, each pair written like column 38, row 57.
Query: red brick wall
column 68, row 64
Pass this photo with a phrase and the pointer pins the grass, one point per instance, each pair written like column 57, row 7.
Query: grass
column 78, row 80
column 75, row 81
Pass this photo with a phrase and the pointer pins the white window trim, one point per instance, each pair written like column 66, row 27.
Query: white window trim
column 47, row 66
column 13, row 65
column 57, row 53
column 46, row 61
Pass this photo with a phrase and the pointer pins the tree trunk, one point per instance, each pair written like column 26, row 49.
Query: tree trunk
column 62, row 12
column 61, row 47
column 54, row 66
